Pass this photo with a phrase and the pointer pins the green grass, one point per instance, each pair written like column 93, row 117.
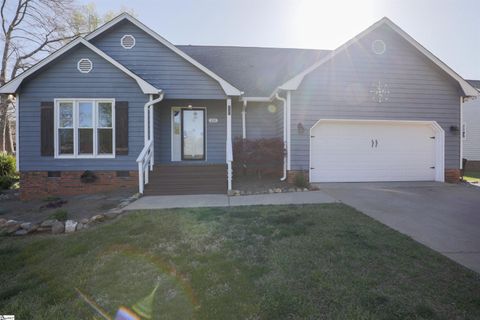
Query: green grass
column 472, row 176
column 271, row 262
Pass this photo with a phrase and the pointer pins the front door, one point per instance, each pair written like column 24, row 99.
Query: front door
column 188, row 134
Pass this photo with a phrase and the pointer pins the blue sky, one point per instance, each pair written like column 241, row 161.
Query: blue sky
column 450, row 29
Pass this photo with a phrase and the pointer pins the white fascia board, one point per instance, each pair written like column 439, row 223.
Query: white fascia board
column 256, row 99
column 295, row 82
column 227, row 87
column 12, row 86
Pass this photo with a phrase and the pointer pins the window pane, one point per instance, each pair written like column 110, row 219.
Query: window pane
column 85, row 141
column 105, row 114
column 105, row 141
column 65, row 141
column 66, row 115
column 85, row 115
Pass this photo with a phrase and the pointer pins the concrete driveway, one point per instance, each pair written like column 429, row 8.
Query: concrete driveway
column 444, row 217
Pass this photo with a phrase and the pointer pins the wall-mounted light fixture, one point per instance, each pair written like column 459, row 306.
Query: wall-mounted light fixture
column 300, row 128
column 454, row 129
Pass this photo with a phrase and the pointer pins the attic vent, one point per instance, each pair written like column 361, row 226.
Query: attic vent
column 379, row 47
column 84, row 65
column 128, row 41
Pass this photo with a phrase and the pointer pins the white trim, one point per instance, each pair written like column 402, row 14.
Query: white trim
column 244, row 120
column 75, row 102
column 295, row 82
column 229, row 89
column 17, row 132
column 229, row 151
column 461, row 132
column 123, row 38
column 289, row 129
column 439, row 142
column 12, row 86
column 256, row 99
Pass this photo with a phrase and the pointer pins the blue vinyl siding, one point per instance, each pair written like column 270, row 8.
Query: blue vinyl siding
column 216, row 132
column 61, row 79
column 158, row 65
column 260, row 122
column 340, row 89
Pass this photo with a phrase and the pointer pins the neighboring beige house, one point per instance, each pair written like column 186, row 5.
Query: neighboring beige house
column 471, row 130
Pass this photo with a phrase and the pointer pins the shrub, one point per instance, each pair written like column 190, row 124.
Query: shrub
column 60, row 215
column 6, row 182
column 7, row 165
column 261, row 156
column 301, row 181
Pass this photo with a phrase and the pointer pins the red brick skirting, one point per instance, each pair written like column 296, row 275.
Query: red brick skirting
column 37, row 184
column 452, row 175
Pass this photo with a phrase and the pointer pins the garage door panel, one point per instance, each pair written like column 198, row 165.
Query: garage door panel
column 372, row 151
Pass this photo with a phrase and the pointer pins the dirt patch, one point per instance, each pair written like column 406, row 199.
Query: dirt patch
column 77, row 207
column 259, row 185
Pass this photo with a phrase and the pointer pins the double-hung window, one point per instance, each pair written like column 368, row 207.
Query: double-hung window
column 84, row 128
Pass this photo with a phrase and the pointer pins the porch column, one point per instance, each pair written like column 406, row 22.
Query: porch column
column 244, row 120
column 229, row 155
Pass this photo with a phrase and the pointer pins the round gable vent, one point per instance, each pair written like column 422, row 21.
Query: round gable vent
column 128, row 41
column 84, row 65
column 379, row 47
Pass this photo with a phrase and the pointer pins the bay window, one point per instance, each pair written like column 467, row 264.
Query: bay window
column 84, row 128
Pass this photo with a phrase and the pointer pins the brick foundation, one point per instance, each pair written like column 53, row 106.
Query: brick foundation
column 452, row 175
column 473, row 165
column 37, row 184
column 293, row 173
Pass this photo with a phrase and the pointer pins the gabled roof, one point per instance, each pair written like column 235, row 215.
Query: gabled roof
column 12, row 86
column 257, row 71
column 295, row 82
column 229, row 89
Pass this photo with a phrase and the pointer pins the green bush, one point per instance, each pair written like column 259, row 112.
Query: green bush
column 7, row 165
column 301, row 181
column 6, row 182
column 60, row 215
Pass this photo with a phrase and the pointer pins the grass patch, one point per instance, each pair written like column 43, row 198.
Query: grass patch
column 472, row 176
column 264, row 262
column 60, row 215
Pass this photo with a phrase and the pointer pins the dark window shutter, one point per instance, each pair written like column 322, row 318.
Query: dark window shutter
column 46, row 129
column 121, row 128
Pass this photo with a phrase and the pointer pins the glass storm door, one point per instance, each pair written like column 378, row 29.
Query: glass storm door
column 193, row 134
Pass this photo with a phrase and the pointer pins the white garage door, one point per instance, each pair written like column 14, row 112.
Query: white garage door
column 354, row 151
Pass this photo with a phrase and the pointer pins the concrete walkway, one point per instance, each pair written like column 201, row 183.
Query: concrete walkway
column 220, row 200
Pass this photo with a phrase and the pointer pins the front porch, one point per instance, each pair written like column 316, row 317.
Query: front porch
column 188, row 147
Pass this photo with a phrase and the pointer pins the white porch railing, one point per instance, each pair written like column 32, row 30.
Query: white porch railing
column 145, row 164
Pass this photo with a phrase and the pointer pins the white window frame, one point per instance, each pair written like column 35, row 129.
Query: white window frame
column 75, row 154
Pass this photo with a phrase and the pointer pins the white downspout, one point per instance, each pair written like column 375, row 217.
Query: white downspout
column 229, row 155
column 289, row 128
column 461, row 133
column 284, row 177
column 244, row 120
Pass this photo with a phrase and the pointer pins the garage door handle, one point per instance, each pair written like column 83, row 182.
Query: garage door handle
column 376, row 143
column 373, row 143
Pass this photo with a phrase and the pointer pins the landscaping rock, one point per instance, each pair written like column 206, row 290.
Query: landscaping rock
column 26, row 225
column 48, row 223
column 3, row 222
column 80, row 226
column 124, row 203
column 21, row 232
column 44, row 229
column 277, row 190
column 12, row 228
column 305, row 189
column 84, row 221
column 97, row 218
column 58, row 227
column 70, row 226
column 270, row 191
column 113, row 213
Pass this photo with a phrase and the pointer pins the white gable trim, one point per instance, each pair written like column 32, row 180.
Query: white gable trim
column 227, row 87
column 295, row 82
column 12, row 86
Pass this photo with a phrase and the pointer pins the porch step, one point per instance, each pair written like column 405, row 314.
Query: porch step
column 185, row 179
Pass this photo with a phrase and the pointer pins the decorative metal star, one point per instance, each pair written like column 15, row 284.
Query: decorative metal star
column 380, row 92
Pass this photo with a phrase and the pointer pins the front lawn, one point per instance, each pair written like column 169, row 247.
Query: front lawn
column 472, row 176
column 265, row 262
